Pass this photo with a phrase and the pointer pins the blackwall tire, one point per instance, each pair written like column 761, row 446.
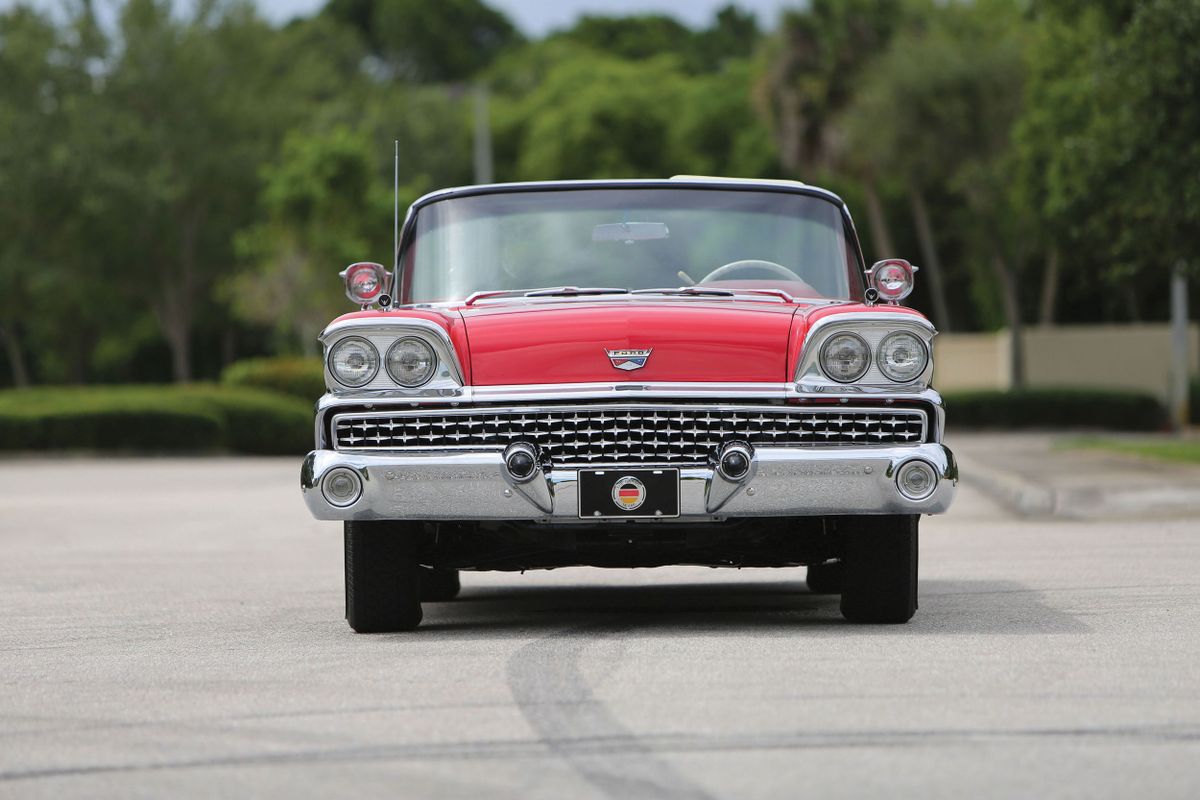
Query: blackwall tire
column 383, row 584
column 439, row 585
column 880, row 579
column 825, row 578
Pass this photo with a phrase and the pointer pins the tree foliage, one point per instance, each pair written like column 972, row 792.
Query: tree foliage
column 446, row 40
column 182, row 187
column 1114, row 125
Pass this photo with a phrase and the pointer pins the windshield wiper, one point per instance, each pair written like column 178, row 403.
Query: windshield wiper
column 549, row 291
column 712, row 291
column 573, row 291
column 689, row 291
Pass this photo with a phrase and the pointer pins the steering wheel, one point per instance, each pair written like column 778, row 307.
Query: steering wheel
column 750, row 263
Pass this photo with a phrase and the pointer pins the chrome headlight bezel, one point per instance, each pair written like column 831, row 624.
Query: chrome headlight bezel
column 873, row 327
column 383, row 331
column 431, row 355
column 852, row 337
column 370, row 348
column 881, row 353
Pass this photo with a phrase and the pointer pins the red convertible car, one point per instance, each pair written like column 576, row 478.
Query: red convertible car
column 628, row 374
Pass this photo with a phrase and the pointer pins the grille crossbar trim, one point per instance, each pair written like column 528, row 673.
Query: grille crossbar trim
column 626, row 433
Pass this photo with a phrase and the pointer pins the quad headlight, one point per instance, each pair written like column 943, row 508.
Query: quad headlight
column 877, row 357
column 902, row 356
column 845, row 357
column 411, row 362
column 353, row 362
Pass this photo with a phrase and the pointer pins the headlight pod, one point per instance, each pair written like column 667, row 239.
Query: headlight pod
column 354, row 362
column 902, row 356
column 845, row 357
column 411, row 362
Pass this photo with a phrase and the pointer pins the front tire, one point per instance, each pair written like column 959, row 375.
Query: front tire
column 880, row 579
column 383, row 582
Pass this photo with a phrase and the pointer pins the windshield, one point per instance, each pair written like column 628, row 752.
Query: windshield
column 630, row 238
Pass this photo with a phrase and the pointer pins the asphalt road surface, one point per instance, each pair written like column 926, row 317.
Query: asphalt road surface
column 174, row 628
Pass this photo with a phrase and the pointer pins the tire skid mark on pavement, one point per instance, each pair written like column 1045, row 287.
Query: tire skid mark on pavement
column 555, row 698
column 624, row 745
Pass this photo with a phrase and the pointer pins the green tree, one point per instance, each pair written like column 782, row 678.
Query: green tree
column 716, row 129
column 571, row 113
column 1111, row 140
column 46, row 262
column 188, row 116
column 323, row 208
column 593, row 116
column 633, row 37
column 733, row 34
column 812, row 70
column 419, row 40
column 934, row 112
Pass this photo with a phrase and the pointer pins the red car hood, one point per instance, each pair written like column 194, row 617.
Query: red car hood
column 565, row 342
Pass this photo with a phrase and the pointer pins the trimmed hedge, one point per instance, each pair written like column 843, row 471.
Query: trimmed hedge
column 192, row 418
column 296, row 376
column 1056, row 408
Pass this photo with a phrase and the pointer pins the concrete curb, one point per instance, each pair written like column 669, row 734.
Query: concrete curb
column 1012, row 491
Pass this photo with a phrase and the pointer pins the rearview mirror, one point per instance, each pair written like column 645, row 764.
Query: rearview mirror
column 630, row 232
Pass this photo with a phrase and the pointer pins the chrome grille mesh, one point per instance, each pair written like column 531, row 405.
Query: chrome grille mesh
column 626, row 434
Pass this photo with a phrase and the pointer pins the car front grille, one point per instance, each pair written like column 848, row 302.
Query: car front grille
column 579, row 435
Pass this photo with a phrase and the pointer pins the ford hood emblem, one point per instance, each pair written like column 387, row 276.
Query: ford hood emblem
column 628, row 359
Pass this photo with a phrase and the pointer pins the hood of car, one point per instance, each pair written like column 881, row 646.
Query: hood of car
column 636, row 341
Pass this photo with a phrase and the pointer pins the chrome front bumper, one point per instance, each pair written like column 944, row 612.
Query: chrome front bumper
column 783, row 482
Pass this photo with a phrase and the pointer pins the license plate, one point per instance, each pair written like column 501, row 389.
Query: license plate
column 628, row 493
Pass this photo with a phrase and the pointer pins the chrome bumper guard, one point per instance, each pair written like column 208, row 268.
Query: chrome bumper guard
column 782, row 482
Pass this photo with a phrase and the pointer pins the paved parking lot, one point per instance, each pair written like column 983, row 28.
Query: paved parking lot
column 173, row 628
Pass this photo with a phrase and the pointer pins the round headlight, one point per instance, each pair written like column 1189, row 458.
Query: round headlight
column 845, row 357
column 902, row 356
column 353, row 362
column 411, row 362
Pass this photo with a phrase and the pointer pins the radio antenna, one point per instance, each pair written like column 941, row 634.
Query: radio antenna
column 396, row 207
column 395, row 287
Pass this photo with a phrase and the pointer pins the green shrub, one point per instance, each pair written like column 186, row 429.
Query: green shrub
column 1056, row 408
column 299, row 377
column 261, row 422
column 154, row 419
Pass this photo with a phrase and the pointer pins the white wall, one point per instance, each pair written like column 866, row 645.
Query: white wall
column 1097, row 356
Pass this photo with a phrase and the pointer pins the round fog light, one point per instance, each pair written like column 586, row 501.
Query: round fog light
column 916, row 480
column 734, row 463
column 342, row 487
column 521, row 461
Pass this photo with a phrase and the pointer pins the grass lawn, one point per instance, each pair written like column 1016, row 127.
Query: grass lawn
column 1185, row 450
